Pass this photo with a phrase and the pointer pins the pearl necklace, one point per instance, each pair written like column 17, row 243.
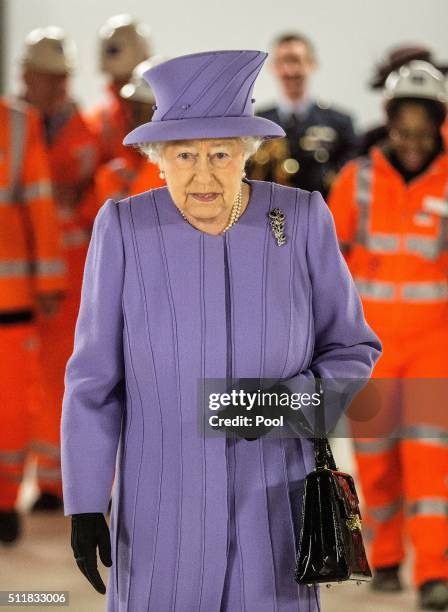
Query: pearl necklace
column 234, row 215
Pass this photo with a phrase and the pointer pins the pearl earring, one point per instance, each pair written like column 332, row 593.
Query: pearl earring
column 244, row 174
column 162, row 174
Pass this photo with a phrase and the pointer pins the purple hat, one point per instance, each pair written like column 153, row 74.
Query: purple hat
column 205, row 95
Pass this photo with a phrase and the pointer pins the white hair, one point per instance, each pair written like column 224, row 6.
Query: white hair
column 153, row 150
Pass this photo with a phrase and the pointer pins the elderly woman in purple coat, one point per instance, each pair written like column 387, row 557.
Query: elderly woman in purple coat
column 201, row 280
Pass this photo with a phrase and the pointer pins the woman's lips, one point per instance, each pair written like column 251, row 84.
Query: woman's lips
column 205, row 197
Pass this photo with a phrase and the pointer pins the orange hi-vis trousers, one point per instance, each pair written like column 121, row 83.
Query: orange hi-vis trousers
column 404, row 477
column 20, row 401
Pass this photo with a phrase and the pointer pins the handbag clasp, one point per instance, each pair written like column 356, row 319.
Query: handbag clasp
column 354, row 522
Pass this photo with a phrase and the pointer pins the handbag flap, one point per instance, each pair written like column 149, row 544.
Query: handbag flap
column 346, row 491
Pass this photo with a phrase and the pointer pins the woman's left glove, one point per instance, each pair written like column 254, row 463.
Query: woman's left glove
column 89, row 531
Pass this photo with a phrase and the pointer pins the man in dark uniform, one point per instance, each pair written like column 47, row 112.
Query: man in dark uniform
column 319, row 140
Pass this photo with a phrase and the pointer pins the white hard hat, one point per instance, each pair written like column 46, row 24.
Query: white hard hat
column 138, row 89
column 417, row 79
column 124, row 43
column 48, row 50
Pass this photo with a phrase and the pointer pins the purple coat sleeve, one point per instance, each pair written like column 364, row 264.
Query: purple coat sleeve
column 345, row 347
column 94, row 379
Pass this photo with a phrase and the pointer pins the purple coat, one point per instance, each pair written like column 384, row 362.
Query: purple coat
column 201, row 524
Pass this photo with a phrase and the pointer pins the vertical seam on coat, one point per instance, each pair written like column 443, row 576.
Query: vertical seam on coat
column 129, row 421
column 263, row 290
column 261, row 372
column 139, row 467
column 285, row 482
column 291, row 279
column 148, row 338
column 234, row 441
column 204, row 454
column 237, row 541
column 311, row 336
column 263, row 474
column 310, row 340
column 232, row 310
column 179, row 403
column 124, row 455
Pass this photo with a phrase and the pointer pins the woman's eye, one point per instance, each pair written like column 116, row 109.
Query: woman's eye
column 221, row 155
column 184, row 155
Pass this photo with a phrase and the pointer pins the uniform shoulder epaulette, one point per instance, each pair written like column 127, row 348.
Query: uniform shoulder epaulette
column 325, row 105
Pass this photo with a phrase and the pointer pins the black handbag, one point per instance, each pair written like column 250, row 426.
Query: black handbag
column 330, row 547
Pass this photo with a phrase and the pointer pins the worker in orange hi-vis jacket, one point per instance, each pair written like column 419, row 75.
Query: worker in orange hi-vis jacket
column 391, row 214
column 124, row 43
column 32, row 279
column 48, row 61
column 130, row 173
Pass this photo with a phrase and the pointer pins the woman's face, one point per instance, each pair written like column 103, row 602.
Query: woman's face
column 203, row 176
column 413, row 136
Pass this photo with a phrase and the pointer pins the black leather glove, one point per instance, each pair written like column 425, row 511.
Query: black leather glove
column 90, row 530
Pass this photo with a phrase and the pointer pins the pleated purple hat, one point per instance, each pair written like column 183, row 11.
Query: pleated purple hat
column 205, row 95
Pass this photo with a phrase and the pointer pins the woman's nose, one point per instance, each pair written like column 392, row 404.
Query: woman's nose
column 203, row 170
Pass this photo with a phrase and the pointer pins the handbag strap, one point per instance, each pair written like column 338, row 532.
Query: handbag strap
column 322, row 450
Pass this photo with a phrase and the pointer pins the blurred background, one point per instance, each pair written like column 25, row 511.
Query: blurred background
column 74, row 144
column 350, row 37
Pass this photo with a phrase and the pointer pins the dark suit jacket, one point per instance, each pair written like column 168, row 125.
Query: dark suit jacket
column 321, row 143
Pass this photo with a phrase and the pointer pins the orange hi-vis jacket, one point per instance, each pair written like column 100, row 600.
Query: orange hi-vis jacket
column 123, row 177
column 30, row 250
column 395, row 238
column 73, row 155
column 445, row 132
column 110, row 123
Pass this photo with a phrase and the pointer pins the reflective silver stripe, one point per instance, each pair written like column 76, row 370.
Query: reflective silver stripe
column 18, row 119
column 6, row 197
column 12, row 457
column 106, row 127
column 367, row 447
column 443, row 230
column 363, row 197
column 375, row 290
column 425, row 291
column 382, row 514
column 49, row 267
column 14, row 477
column 76, row 237
column 426, row 247
column 14, row 269
column 65, row 214
column 46, row 448
column 383, row 243
column 40, row 189
column 435, row 506
column 375, row 242
column 53, row 474
column 87, row 157
column 426, row 434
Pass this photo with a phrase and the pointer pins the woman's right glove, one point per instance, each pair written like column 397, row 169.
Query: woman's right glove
column 90, row 530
